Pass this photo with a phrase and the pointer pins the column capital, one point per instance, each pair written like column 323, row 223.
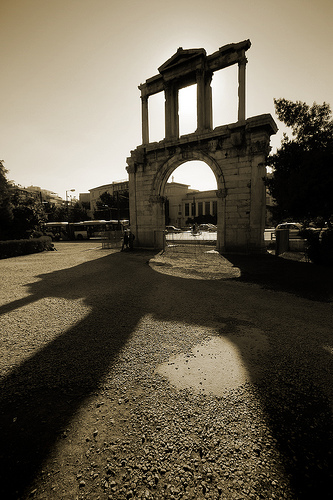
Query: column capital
column 199, row 73
column 242, row 61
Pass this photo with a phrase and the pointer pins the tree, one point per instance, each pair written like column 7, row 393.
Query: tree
column 78, row 213
column 110, row 206
column 6, row 214
column 302, row 179
column 28, row 213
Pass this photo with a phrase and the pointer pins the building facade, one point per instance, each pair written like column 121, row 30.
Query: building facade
column 42, row 195
column 113, row 188
column 184, row 204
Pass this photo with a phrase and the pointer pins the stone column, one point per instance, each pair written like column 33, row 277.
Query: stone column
column 171, row 112
column 145, row 121
column 208, row 102
column 204, row 101
column 241, row 88
column 200, row 101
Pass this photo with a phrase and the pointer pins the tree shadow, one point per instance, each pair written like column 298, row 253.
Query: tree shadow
column 295, row 390
column 297, row 387
column 41, row 395
column 304, row 279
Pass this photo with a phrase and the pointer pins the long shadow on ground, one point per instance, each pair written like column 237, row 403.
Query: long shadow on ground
column 304, row 279
column 298, row 410
column 40, row 396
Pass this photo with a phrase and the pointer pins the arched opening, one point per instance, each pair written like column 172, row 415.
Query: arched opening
column 197, row 174
column 190, row 194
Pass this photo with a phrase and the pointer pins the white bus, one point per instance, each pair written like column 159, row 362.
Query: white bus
column 84, row 230
column 56, row 230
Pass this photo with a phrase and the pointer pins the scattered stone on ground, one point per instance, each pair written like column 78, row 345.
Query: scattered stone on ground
column 142, row 428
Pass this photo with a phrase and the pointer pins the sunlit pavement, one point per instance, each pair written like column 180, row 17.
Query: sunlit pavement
column 189, row 236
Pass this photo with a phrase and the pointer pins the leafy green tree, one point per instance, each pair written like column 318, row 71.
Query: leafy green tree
column 56, row 213
column 78, row 213
column 110, row 206
column 28, row 213
column 302, row 179
column 106, row 205
column 6, row 214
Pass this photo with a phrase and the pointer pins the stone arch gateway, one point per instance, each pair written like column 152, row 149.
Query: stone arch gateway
column 236, row 153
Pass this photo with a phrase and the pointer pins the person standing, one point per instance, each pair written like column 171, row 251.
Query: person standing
column 125, row 240
column 131, row 239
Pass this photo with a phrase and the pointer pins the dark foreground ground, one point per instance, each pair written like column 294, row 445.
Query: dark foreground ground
column 134, row 375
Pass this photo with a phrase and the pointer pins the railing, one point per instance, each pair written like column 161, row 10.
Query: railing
column 189, row 242
column 112, row 239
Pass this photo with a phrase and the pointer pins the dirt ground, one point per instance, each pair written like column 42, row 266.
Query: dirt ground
column 179, row 375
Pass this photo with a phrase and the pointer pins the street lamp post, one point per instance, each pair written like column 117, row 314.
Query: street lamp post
column 68, row 190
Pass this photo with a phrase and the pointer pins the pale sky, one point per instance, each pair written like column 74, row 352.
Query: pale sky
column 70, row 70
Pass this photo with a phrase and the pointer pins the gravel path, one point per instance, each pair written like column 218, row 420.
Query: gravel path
column 134, row 375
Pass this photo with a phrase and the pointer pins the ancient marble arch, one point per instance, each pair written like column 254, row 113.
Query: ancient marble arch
column 236, row 153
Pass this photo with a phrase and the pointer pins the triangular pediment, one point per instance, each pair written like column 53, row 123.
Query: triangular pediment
column 182, row 56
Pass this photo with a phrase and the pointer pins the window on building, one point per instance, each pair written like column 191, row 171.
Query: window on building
column 193, row 209
column 200, row 208
column 207, row 207
column 187, row 209
column 214, row 207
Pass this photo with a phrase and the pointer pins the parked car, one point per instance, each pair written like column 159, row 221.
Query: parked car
column 207, row 227
column 172, row 229
column 293, row 227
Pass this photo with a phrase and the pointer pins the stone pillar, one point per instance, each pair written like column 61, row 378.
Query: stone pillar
column 200, row 101
column 208, row 102
column 204, row 101
column 145, row 121
column 171, row 112
column 241, row 88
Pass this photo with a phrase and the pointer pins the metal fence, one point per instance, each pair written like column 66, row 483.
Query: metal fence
column 187, row 243
column 112, row 239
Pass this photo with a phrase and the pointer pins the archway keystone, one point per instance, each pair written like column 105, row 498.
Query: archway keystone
column 236, row 153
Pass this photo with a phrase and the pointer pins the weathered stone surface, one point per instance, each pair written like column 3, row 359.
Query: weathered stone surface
column 236, row 153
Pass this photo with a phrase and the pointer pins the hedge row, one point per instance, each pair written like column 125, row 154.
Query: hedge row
column 13, row 248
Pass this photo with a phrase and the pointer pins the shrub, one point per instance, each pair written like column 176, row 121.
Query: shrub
column 326, row 247
column 13, row 248
column 319, row 246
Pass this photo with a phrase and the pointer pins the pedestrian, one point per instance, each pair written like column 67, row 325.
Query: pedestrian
column 131, row 239
column 125, row 240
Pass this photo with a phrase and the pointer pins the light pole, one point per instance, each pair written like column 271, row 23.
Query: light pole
column 68, row 190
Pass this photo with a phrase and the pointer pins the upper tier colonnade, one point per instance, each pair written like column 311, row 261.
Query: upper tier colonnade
column 188, row 67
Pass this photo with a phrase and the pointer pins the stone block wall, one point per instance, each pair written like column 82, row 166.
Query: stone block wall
column 236, row 153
